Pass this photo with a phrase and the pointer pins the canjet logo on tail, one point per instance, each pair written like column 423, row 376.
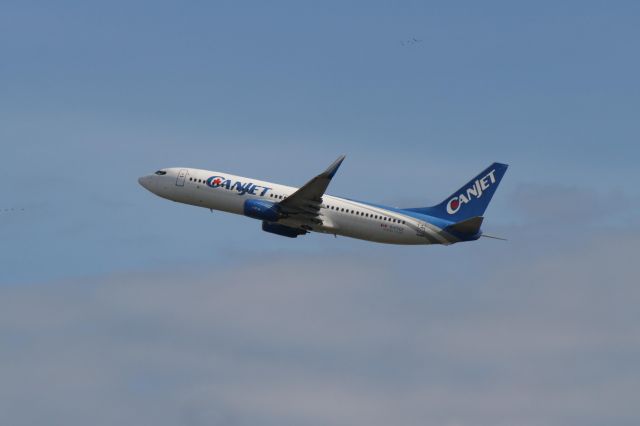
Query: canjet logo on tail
column 474, row 191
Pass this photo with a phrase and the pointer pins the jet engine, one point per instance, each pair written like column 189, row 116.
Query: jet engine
column 262, row 210
column 285, row 231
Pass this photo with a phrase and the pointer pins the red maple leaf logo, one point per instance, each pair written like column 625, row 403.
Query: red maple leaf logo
column 217, row 181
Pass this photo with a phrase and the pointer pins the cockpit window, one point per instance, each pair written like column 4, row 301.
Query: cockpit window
column 161, row 172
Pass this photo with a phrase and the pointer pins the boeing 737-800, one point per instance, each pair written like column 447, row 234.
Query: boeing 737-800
column 289, row 211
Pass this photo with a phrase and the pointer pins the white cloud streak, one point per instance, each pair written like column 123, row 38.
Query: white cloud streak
column 317, row 341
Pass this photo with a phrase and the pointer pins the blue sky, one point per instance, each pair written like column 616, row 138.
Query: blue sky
column 96, row 94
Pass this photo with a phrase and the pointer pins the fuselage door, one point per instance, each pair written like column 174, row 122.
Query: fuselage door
column 181, row 177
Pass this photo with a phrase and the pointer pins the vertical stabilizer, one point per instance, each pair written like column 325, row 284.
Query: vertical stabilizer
column 471, row 200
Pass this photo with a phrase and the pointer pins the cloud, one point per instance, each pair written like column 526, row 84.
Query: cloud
column 328, row 340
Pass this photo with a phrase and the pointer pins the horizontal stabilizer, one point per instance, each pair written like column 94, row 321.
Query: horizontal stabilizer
column 493, row 237
column 466, row 228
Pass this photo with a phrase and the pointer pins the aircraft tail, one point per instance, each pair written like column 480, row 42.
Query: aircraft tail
column 467, row 227
column 471, row 200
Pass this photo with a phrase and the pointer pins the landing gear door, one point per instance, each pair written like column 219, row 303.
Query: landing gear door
column 181, row 177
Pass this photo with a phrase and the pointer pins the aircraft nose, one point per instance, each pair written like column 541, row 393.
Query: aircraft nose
column 144, row 181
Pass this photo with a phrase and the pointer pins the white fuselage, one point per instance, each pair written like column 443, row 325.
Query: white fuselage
column 339, row 216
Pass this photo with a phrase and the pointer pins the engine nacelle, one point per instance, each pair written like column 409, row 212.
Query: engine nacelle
column 285, row 231
column 262, row 210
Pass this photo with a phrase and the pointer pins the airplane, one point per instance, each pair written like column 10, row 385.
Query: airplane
column 291, row 212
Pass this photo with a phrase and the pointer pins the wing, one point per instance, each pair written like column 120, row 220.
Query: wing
column 305, row 203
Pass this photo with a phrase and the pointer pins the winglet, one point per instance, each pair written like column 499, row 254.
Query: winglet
column 333, row 168
column 315, row 188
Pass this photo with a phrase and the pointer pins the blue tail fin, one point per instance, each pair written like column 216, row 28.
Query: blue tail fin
column 471, row 200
